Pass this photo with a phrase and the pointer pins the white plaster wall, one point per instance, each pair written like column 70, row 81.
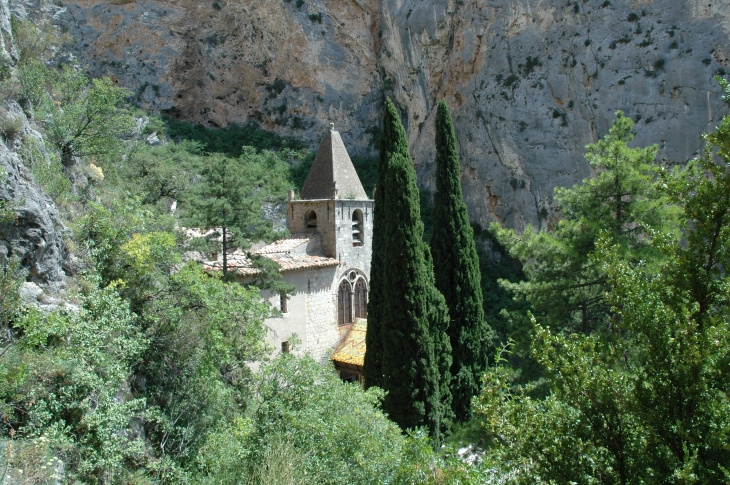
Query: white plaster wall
column 312, row 313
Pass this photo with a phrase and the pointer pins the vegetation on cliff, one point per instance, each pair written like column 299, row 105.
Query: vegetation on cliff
column 619, row 372
column 142, row 375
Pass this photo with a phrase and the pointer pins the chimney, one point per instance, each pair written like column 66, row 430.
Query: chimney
column 291, row 194
column 334, row 189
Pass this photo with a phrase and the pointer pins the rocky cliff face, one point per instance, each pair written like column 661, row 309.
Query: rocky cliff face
column 35, row 238
column 530, row 82
column 7, row 49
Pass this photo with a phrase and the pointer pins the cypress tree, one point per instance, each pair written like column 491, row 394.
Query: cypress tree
column 456, row 267
column 438, row 326
column 392, row 140
column 404, row 309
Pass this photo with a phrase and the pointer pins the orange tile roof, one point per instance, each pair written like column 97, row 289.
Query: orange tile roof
column 352, row 347
column 296, row 262
column 279, row 251
column 238, row 264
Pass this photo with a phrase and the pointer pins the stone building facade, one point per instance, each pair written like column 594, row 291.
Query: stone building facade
column 327, row 259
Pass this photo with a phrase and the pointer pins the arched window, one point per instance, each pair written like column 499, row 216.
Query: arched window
column 361, row 298
column 344, row 303
column 357, row 229
column 310, row 220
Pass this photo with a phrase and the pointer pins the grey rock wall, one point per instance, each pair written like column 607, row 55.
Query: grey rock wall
column 529, row 82
column 36, row 237
column 7, row 47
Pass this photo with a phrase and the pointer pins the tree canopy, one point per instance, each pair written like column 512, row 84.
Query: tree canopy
column 564, row 286
column 645, row 401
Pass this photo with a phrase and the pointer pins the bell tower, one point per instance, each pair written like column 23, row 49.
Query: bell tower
column 333, row 204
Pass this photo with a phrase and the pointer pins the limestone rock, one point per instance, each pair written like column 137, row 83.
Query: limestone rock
column 529, row 82
column 29, row 292
column 7, row 46
column 36, row 237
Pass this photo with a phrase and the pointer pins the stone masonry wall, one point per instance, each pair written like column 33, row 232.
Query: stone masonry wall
column 354, row 256
column 323, row 334
column 334, row 224
column 311, row 313
column 325, row 221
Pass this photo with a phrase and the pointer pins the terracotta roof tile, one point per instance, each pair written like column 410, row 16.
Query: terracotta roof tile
column 296, row 262
column 352, row 347
column 284, row 245
column 279, row 251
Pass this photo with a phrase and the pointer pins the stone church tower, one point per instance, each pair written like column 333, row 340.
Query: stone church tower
column 334, row 205
column 327, row 260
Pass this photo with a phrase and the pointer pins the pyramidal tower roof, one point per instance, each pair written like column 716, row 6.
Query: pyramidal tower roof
column 332, row 168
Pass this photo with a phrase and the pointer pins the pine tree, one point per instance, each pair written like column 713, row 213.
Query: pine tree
column 565, row 286
column 456, row 267
column 404, row 309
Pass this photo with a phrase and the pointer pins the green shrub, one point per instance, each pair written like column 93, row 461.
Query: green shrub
column 231, row 139
column 9, row 127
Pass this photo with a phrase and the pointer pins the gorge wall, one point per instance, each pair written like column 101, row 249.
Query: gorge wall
column 529, row 82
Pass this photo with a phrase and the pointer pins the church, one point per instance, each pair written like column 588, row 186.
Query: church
column 327, row 259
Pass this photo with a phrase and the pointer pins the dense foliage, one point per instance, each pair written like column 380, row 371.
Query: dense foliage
column 231, row 140
column 143, row 374
column 642, row 399
column 411, row 353
column 456, row 267
column 564, row 287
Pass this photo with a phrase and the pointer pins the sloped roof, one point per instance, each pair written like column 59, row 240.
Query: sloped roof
column 279, row 251
column 351, row 351
column 285, row 245
column 332, row 164
column 296, row 262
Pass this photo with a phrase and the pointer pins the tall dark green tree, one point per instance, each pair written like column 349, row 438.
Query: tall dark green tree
column 456, row 266
column 405, row 308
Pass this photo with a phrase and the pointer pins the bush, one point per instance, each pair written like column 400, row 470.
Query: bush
column 9, row 127
column 65, row 380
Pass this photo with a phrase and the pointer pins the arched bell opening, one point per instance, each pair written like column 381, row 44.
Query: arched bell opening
column 358, row 234
column 310, row 219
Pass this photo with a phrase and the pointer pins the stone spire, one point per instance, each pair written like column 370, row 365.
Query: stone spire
column 332, row 167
